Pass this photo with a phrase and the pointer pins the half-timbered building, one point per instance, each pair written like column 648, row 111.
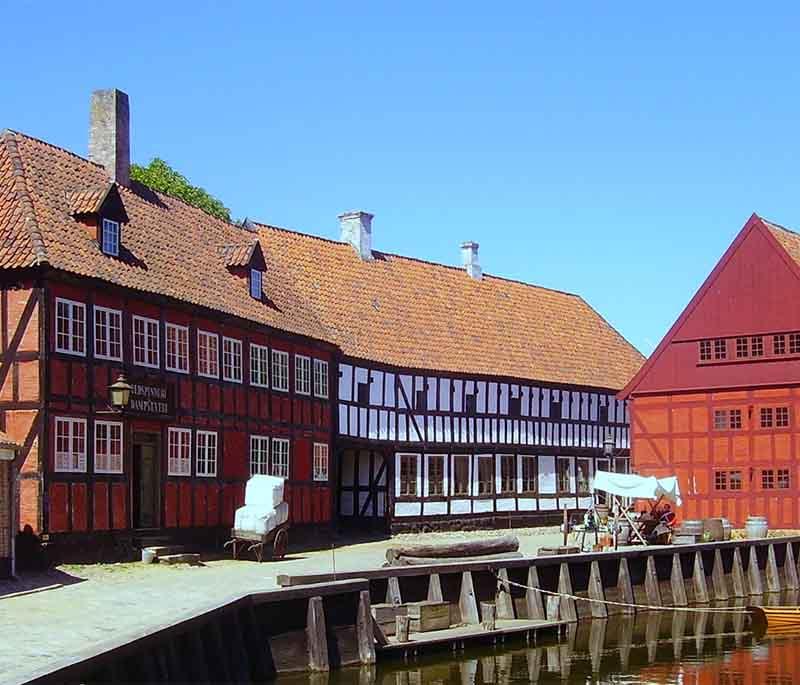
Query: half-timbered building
column 464, row 399
column 228, row 370
column 718, row 401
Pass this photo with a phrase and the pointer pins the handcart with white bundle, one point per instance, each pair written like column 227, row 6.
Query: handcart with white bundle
column 263, row 522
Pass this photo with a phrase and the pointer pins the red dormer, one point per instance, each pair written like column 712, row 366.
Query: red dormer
column 246, row 260
column 102, row 212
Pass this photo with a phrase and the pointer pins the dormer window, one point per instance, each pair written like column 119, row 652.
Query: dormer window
column 255, row 283
column 109, row 237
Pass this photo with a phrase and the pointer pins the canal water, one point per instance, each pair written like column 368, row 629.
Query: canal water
column 651, row 647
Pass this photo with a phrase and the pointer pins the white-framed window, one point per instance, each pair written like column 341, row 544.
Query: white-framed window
column 70, row 326
column 259, row 365
column 280, row 370
column 280, row 457
column 435, row 483
column 255, row 283
column 302, row 374
column 179, row 449
column 232, row 359
column 70, row 445
column 207, row 354
column 107, row 447
column 321, row 378
column 177, row 348
column 408, row 479
column 145, row 341
column 109, row 237
column 259, row 455
column 206, row 464
column 484, row 476
column 320, row 461
column 107, row 333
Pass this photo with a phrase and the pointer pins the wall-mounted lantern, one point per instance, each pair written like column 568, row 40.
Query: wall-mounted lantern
column 120, row 391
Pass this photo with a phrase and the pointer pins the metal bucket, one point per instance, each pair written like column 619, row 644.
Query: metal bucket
column 148, row 556
column 756, row 527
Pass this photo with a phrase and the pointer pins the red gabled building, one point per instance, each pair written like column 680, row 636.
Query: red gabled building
column 101, row 276
column 718, row 401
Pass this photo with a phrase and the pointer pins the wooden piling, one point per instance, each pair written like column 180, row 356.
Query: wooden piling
column 435, row 588
column 737, row 574
column 402, row 626
column 676, row 582
column 488, row 616
column 718, row 582
column 625, row 587
column 365, row 635
column 755, row 587
column 699, row 580
column 316, row 636
column 393, row 591
column 651, row 583
column 773, row 578
column 466, row 602
column 599, row 610
column 790, row 578
column 553, row 607
column 568, row 610
column 533, row 599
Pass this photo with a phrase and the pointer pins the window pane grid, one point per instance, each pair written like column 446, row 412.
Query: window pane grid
column 705, row 350
column 232, row 360
column 259, row 455
column 70, row 327
column 408, row 475
column 145, row 341
column 461, row 474
column 179, row 452
column 107, row 333
column 70, row 445
column 280, row 370
column 435, row 475
column 110, row 237
column 280, row 457
column 302, row 374
column 529, row 475
column 207, row 354
column 259, row 366
column 321, row 378
column 206, row 453
column 255, row 284
column 107, row 447
column 320, row 461
column 177, row 348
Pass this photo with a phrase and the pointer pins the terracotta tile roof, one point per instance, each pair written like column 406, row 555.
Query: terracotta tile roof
column 788, row 239
column 87, row 200
column 395, row 310
column 414, row 313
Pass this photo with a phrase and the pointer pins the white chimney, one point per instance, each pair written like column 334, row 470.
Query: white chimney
column 356, row 229
column 109, row 133
column 469, row 257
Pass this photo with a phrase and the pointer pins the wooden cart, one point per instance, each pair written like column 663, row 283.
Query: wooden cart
column 275, row 542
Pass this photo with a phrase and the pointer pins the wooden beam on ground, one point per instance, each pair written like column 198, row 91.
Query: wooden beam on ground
column 651, row 583
column 676, row 582
column 599, row 610
column 503, row 601
column 316, row 636
column 699, row 580
column 467, row 602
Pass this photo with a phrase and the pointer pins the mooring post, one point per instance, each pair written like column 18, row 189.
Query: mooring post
column 569, row 611
column 503, row 601
column 402, row 626
column 467, row 602
column 790, row 579
column 393, row 591
column 316, row 637
column 737, row 573
column 718, row 577
column 533, row 599
column 651, row 583
column 599, row 610
column 625, row 588
column 434, row 588
column 773, row 578
column 365, row 635
column 699, row 580
column 488, row 615
column 753, row 576
column 676, row 582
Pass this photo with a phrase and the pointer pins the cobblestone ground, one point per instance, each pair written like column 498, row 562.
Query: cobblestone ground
column 107, row 601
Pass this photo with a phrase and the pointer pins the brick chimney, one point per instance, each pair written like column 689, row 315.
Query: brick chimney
column 356, row 229
column 469, row 257
column 109, row 133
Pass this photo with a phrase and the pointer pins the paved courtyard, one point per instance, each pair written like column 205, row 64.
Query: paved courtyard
column 99, row 602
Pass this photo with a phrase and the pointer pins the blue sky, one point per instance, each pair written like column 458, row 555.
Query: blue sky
column 607, row 149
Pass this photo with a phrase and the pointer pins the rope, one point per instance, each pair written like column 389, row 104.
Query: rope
column 648, row 607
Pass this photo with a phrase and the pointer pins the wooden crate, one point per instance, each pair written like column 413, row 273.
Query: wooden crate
column 385, row 615
column 429, row 615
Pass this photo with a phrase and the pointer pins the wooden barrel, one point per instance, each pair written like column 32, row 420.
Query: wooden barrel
column 692, row 527
column 715, row 528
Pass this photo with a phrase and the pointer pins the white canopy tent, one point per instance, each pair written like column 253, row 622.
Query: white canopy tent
column 632, row 487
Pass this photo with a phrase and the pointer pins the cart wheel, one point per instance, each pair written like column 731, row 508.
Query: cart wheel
column 280, row 545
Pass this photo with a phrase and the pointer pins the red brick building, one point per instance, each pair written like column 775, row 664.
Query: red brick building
column 102, row 276
column 718, row 401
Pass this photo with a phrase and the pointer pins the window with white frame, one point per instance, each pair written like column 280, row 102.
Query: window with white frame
column 302, row 374
column 259, row 365
column 320, row 461
column 179, row 449
column 107, row 447
column 280, row 457
column 107, row 333
column 435, row 475
column 408, row 475
column 321, row 378
column 177, row 348
column 280, row 370
column 206, row 453
column 70, row 445
column 208, row 354
column 70, row 326
column 109, row 239
column 232, row 359
column 259, row 455
column 255, row 283
column 145, row 341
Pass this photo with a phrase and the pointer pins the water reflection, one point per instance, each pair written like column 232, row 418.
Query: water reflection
column 652, row 647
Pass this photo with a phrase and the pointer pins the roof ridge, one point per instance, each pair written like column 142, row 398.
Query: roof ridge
column 22, row 191
column 420, row 260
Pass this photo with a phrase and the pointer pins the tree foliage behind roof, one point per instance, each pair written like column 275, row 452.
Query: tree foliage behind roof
column 160, row 176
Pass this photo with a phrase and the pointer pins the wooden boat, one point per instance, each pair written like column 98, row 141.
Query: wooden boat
column 776, row 618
